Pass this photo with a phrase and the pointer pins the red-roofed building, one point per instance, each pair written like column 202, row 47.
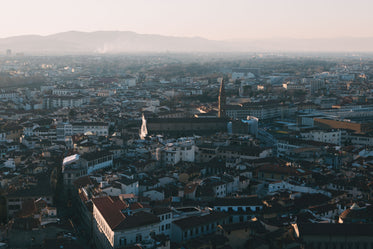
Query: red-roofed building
column 190, row 191
column 276, row 172
column 116, row 226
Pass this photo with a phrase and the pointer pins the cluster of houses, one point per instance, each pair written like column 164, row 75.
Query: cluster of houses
column 154, row 163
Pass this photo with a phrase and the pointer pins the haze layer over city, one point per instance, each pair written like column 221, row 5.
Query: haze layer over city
column 186, row 124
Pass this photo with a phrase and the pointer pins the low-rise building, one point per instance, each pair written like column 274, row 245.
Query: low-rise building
column 197, row 226
column 116, row 226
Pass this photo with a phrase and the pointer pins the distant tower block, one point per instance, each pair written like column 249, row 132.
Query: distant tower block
column 8, row 52
column 222, row 100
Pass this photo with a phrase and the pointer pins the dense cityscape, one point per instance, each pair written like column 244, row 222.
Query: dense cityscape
column 168, row 150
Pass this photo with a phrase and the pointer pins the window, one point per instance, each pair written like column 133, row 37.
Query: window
column 14, row 207
column 138, row 238
column 122, row 241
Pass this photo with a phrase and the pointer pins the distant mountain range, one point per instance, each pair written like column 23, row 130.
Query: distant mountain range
column 74, row 42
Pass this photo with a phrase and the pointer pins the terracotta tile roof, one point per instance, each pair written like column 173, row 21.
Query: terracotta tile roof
column 190, row 188
column 28, row 208
column 83, row 181
column 136, row 205
column 110, row 208
column 283, row 170
column 323, row 208
column 138, row 219
column 40, row 204
column 357, row 213
column 127, row 196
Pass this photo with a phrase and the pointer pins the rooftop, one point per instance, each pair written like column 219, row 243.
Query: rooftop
column 333, row 229
column 194, row 221
column 111, row 208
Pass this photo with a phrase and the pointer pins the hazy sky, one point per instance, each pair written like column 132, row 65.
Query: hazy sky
column 212, row 19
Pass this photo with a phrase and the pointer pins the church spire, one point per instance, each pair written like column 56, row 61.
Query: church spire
column 143, row 130
column 222, row 99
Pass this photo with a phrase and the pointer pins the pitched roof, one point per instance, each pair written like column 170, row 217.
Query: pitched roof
column 83, row 181
column 199, row 220
column 333, row 229
column 28, row 209
column 136, row 205
column 283, row 170
column 357, row 213
column 138, row 219
column 190, row 188
column 161, row 210
column 111, row 208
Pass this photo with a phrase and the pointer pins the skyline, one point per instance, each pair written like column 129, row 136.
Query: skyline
column 214, row 20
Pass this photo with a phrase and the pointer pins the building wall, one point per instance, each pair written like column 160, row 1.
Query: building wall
column 261, row 112
column 112, row 191
column 179, row 234
column 165, row 223
column 245, row 208
column 99, row 130
column 154, row 195
column 102, row 231
column 132, row 188
column 220, row 190
column 283, row 147
column 135, row 235
column 361, row 140
column 338, row 242
column 14, row 203
column 277, row 186
column 333, row 137
column 104, row 162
